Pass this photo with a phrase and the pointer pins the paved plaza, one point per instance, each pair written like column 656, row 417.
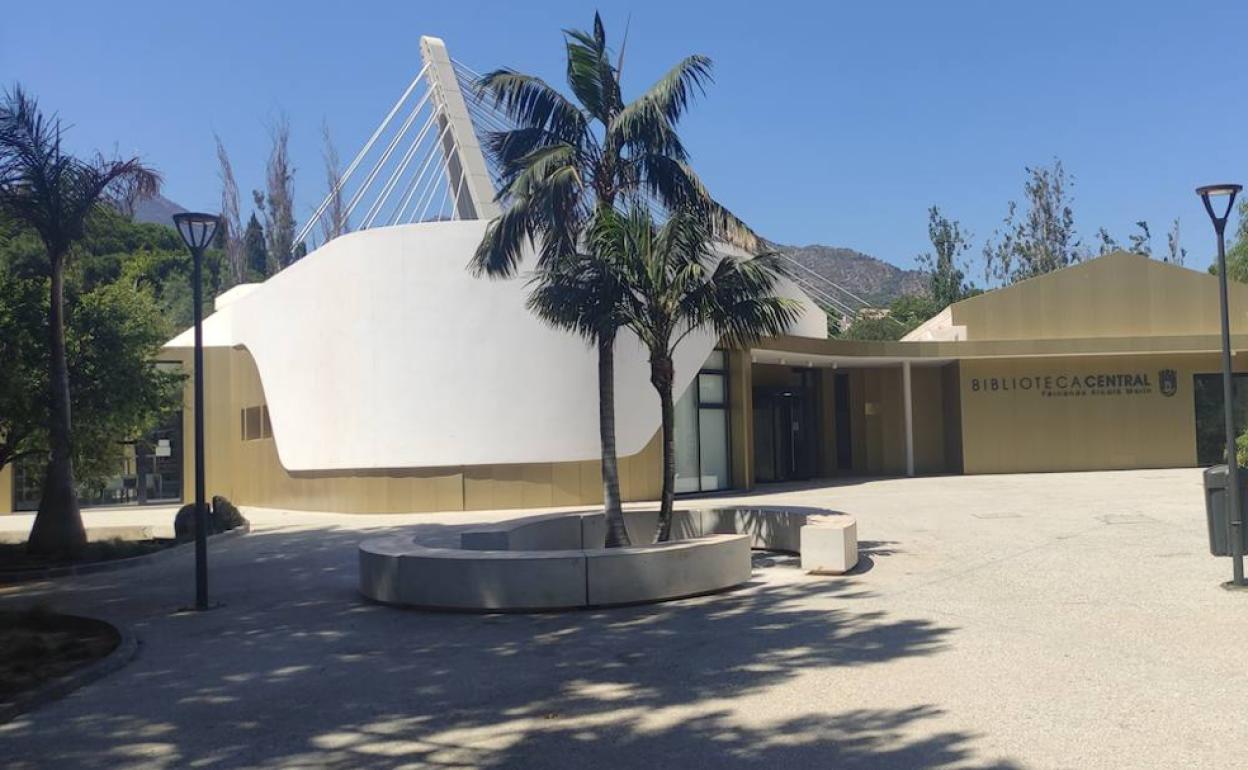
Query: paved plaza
column 1042, row 621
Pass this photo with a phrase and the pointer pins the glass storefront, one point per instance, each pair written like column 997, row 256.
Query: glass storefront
column 701, row 422
column 1210, row 419
column 149, row 471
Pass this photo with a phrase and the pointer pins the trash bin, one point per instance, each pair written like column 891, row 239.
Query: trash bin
column 1216, row 509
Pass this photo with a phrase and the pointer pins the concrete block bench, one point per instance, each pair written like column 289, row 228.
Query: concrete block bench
column 827, row 542
column 830, row 546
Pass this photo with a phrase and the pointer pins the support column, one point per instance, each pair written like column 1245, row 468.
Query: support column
column 908, row 409
column 465, row 160
column 741, row 418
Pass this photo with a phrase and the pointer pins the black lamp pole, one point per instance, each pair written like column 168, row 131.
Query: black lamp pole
column 197, row 231
column 1228, row 191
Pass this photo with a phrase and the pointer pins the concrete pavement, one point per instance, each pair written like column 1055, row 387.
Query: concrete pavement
column 1058, row 620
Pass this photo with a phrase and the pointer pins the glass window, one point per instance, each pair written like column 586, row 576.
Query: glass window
column 711, row 389
column 266, row 427
column 1210, row 419
column 251, row 423
column 686, row 424
column 713, row 441
column 147, row 470
column 701, row 427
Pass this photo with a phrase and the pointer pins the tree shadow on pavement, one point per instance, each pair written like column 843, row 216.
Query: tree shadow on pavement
column 296, row 669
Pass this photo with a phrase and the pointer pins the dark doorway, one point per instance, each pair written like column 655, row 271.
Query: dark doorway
column 1210, row 420
column 844, row 442
column 785, row 437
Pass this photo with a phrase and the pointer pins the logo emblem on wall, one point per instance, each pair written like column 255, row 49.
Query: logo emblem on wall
column 1169, row 381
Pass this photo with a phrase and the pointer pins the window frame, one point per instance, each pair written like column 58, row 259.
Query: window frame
column 696, row 386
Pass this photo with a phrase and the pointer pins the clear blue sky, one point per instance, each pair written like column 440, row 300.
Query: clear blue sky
column 835, row 123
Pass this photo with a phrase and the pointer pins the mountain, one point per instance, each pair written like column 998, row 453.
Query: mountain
column 158, row 210
column 874, row 280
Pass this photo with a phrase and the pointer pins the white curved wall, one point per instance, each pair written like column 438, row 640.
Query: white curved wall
column 380, row 350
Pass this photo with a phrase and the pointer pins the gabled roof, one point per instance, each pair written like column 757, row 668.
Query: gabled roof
column 1116, row 295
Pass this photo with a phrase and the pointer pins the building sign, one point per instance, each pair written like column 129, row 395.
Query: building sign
column 1073, row 385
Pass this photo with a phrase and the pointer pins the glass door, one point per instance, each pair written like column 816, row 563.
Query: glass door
column 701, row 421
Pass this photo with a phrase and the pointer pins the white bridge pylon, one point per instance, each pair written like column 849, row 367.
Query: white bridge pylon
column 424, row 163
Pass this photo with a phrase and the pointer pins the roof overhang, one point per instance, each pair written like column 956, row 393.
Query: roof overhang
column 797, row 350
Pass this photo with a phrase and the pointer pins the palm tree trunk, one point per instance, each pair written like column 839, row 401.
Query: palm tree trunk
column 662, row 373
column 617, row 533
column 58, row 524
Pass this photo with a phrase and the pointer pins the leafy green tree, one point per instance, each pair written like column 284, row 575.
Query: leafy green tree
column 1237, row 252
column 568, row 162
column 52, row 193
column 947, row 280
column 910, row 310
column 23, row 376
column 1042, row 238
column 113, row 333
column 118, row 392
column 255, row 250
column 127, row 290
column 875, row 328
column 904, row 315
column 670, row 284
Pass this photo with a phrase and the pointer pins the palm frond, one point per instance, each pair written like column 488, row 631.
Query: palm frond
column 585, row 74
column 508, row 149
column 643, row 128
column 678, row 187
column 673, row 92
column 576, row 295
column 51, row 191
column 591, row 76
column 540, row 168
column 531, row 103
column 743, row 305
column 501, row 248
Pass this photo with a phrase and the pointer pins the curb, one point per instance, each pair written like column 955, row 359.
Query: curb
column 27, row 576
column 127, row 648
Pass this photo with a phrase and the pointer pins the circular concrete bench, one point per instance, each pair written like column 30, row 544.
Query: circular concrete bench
column 555, row 561
column 827, row 541
column 547, row 532
column 397, row 570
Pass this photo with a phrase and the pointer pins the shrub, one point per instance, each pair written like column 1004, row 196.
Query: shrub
column 225, row 515
column 222, row 517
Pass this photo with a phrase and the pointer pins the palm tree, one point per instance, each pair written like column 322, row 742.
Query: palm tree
column 568, row 161
column 670, row 284
column 52, row 192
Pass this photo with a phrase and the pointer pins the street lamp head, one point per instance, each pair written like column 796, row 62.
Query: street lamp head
column 197, row 230
column 1228, row 191
column 1214, row 190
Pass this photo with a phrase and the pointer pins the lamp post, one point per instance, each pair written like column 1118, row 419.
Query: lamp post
column 1207, row 193
column 197, row 231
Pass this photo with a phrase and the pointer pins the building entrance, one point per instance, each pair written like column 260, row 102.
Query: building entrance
column 785, row 429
